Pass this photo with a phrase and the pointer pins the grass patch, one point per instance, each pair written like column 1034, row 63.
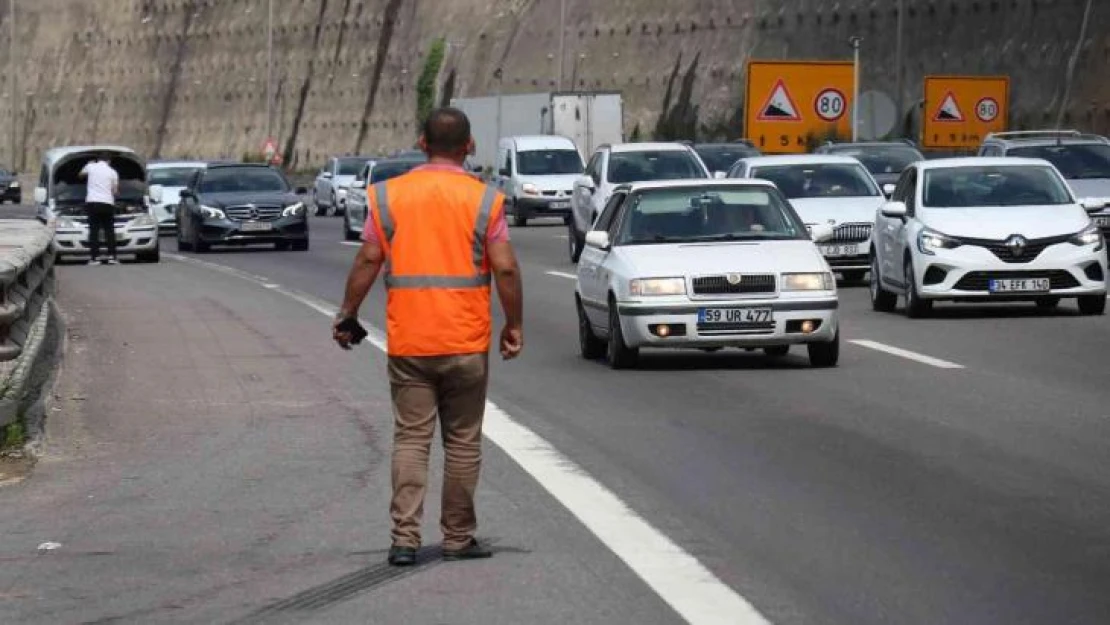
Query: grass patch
column 13, row 436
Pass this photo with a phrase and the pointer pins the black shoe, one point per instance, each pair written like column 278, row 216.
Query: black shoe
column 402, row 556
column 473, row 551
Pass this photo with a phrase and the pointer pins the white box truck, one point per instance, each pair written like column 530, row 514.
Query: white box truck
column 590, row 119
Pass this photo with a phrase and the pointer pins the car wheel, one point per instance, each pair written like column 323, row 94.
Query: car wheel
column 1092, row 305
column 916, row 308
column 334, row 205
column 589, row 345
column 777, row 351
column 825, row 354
column 320, row 210
column 300, row 246
column 199, row 246
column 568, row 220
column 148, row 257
column 348, row 234
column 882, row 300
column 853, row 277
column 182, row 245
column 1048, row 303
column 618, row 353
column 574, row 242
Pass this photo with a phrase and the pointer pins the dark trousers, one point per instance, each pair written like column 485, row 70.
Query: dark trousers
column 102, row 219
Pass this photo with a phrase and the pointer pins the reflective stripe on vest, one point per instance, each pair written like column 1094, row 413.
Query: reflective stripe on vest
column 481, row 224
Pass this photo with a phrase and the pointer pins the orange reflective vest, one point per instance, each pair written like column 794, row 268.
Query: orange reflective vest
column 432, row 228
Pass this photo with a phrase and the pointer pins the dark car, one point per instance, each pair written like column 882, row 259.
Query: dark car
column 884, row 159
column 10, row 190
column 241, row 204
column 722, row 156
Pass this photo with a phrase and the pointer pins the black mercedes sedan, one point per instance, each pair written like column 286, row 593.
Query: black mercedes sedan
column 241, row 204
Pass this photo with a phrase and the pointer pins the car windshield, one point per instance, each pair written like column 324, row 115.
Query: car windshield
column 387, row 170
column 653, row 165
column 700, row 214
column 350, row 166
column 1075, row 161
column 242, row 180
column 882, row 159
column 548, row 162
column 171, row 176
column 985, row 186
column 819, row 180
column 723, row 157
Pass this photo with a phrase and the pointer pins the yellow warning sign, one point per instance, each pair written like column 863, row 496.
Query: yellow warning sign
column 792, row 106
column 960, row 111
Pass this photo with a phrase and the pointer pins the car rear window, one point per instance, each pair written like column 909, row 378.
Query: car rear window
column 986, row 186
column 693, row 214
column 653, row 165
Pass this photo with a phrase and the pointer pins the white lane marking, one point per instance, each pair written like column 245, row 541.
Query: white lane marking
column 351, row 243
column 562, row 274
column 907, row 354
column 692, row 590
column 563, row 236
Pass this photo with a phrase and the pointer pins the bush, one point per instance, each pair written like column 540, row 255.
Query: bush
column 426, row 84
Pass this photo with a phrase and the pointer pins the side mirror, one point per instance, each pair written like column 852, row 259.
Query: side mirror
column 895, row 210
column 888, row 189
column 327, row 175
column 301, row 190
column 155, row 192
column 587, row 183
column 598, row 239
column 1093, row 204
column 720, row 175
column 40, row 195
column 821, row 232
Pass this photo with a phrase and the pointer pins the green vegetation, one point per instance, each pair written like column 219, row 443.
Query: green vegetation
column 637, row 134
column 426, row 84
column 12, row 436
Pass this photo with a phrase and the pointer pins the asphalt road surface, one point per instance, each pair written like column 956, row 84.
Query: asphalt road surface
column 950, row 470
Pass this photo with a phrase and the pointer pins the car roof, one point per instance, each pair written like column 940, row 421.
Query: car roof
column 541, row 142
column 169, row 164
column 980, row 161
column 660, row 146
column 695, row 182
column 1045, row 137
column 868, row 144
column 801, row 159
column 229, row 165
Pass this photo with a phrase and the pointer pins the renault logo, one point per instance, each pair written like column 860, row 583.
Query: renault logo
column 733, row 278
column 1016, row 244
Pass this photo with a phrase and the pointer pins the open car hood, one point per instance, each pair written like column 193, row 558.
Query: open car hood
column 68, row 189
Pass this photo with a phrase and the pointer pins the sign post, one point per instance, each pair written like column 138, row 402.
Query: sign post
column 790, row 105
column 960, row 111
column 269, row 150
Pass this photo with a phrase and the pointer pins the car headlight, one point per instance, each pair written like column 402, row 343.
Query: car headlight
column 65, row 223
column 143, row 220
column 1091, row 235
column 928, row 241
column 529, row 189
column 212, row 213
column 818, row 281
column 14, row 184
column 295, row 209
column 644, row 287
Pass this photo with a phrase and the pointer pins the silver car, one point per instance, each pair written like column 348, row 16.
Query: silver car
column 372, row 173
column 329, row 190
column 173, row 177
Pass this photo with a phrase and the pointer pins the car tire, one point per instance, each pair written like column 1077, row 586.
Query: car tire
column 182, row 245
column 320, row 210
column 776, row 351
column 882, row 300
column 1048, row 303
column 575, row 242
column 825, row 355
column 300, row 246
column 334, row 205
column 348, row 234
column 519, row 220
column 1092, row 305
column 198, row 245
column 148, row 257
column 568, row 220
column 589, row 345
column 617, row 353
column 916, row 308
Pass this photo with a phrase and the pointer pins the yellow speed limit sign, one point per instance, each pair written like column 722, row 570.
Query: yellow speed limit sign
column 791, row 105
column 960, row 111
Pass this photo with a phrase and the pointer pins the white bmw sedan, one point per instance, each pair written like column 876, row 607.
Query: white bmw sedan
column 987, row 230
column 704, row 264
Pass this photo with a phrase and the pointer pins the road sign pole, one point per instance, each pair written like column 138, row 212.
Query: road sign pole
column 855, row 87
column 899, row 60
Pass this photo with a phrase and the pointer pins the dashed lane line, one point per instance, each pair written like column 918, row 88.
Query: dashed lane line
column 562, row 274
column 692, row 590
column 907, row 354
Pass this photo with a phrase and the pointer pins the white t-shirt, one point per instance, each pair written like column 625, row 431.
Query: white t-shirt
column 101, row 179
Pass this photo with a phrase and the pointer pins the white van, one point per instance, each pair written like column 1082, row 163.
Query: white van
column 537, row 174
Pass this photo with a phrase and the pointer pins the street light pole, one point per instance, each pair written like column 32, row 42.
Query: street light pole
column 562, row 40
column 269, row 69
column 13, row 77
column 899, row 64
column 855, row 88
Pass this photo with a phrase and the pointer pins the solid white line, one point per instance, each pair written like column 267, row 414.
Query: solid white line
column 692, row 590
column 351, row 243
column 905, row 353
column 562, row 274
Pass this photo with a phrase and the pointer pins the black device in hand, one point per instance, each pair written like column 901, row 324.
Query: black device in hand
column 351, row 326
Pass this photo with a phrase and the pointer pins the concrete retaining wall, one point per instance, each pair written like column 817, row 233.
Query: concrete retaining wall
column 188, row 77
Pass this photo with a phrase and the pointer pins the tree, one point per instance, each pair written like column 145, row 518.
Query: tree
column 426, row 83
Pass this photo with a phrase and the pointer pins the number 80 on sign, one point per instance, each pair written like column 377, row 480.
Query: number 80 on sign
column 830, row 105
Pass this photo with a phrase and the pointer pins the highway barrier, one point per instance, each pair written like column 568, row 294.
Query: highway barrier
column 30, row 326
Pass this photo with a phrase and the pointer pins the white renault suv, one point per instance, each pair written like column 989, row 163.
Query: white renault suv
column 825, row 189
column 704, row 264
column 986, row 230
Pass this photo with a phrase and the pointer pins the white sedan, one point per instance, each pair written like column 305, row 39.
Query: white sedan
column 706, row 265
column 987, row 230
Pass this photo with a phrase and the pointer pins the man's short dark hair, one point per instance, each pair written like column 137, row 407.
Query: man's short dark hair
column 447, row 131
